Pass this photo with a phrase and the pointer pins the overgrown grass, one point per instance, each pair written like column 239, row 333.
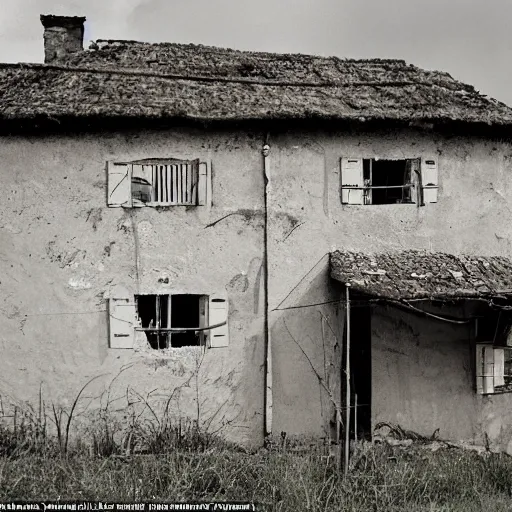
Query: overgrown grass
column 382, row 478
column 152, row 457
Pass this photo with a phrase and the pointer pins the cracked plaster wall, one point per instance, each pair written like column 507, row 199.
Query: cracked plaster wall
column 473, row 215
column 423, row 379
column 62, row 248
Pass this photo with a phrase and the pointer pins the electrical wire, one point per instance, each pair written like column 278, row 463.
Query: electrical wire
column 67, row 313
column 432, row 315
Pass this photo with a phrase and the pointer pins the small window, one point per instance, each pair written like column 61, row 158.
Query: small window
column 179, row 320
column 159, row 315
column 493, row 336
column 493, row 369
column 157, row 182
column 374, row 181
column 387, row 181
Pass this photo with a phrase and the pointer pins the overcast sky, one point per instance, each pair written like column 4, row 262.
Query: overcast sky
column 470, row 39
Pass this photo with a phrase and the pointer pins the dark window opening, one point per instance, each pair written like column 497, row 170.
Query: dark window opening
column 494, row 326
column 488, row 328
column 185, row 313
column 153, row 311
column 394, row 176
column 159, row 313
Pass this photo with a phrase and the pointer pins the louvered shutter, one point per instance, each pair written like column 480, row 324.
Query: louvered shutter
column 352, row 176
column 121, row 318
column 202, row 183
column 429, row 180
column 218, row 313
column 119, row 184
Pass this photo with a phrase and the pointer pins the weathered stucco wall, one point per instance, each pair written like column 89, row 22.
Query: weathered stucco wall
column 62, row 248
column 422, row 374
column 307, row 220
column 306, row 353
column 423, row 379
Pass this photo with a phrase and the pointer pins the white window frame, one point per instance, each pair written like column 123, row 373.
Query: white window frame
column 355, row 189
column 491, row 371
column 124, row 321
column 168, row 182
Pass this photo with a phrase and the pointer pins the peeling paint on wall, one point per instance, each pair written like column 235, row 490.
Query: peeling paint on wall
column 58, row 278
column 79, row 283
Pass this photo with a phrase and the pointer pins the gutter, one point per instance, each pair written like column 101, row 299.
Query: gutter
column 268, row 346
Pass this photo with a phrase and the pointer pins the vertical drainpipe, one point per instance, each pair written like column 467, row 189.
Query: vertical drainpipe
column 268, row 347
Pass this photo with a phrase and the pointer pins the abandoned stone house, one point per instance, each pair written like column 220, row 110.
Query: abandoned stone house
column 212, row 229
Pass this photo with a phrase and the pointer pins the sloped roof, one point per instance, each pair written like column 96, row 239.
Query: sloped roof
column 132, row 79
column 423, row 275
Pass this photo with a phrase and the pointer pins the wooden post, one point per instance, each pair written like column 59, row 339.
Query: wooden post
column 347, row 377
column 355, row 417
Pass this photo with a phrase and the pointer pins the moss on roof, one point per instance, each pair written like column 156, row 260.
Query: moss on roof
column 132, row 79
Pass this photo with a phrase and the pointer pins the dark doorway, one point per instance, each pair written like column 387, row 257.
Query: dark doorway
column 361, row 365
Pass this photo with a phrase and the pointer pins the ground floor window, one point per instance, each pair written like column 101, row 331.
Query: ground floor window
column 493, row 335
column 158, row 314
column 168, row 320
column 493, row 369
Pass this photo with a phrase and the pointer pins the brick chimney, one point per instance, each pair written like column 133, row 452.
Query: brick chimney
column 63, row 35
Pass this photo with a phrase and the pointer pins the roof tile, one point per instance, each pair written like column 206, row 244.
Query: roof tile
column 132, row 79
column 423, row 275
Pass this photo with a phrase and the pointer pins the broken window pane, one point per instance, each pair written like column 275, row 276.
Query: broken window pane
column 153, row 312
column 164, row 183
column 158, row 314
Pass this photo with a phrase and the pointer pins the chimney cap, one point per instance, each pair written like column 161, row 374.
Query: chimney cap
column 50, row 20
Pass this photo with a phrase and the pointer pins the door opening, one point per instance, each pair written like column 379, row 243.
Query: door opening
column 361, row 366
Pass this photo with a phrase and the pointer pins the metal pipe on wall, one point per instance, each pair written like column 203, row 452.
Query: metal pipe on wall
column 347, row 381
column 268, row 346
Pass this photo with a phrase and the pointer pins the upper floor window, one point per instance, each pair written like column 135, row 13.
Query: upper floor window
column 157, row 182
column 380, row 181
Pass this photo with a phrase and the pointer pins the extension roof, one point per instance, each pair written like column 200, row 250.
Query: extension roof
column 128, row 79
column 423, row 275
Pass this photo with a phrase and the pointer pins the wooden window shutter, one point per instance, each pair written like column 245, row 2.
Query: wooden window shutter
column 202, row 183
column 352, row 176
column 218, row 313
column 203, row 318
column 499, row 367
column 119, row 191
column 412, row 169
column 429, row 180
column 484, row 369
column 121, row 318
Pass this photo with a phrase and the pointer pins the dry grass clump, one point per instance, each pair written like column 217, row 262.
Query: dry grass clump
column 183, row 466
column 158, row 458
